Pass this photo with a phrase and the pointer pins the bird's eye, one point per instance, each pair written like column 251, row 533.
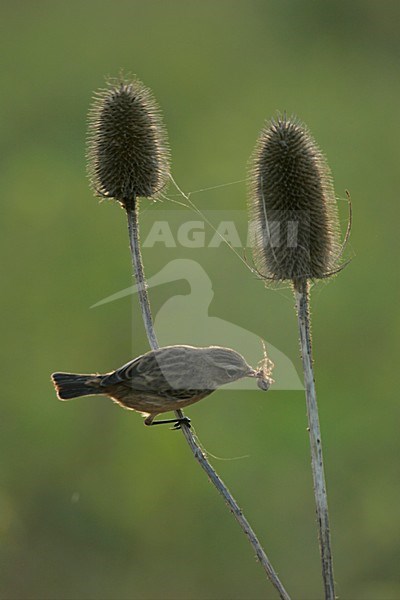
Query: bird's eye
column 231, row 371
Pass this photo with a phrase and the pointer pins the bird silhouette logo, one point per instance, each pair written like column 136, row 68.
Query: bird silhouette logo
column 185, row 319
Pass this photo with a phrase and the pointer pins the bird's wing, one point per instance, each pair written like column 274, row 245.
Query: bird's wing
column 168, row 371
column 139, row 374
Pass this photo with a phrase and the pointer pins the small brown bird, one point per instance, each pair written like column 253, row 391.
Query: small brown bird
column 163, row 380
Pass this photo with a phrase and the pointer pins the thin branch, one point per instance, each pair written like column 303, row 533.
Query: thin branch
column 137, row 262
column 301, row 290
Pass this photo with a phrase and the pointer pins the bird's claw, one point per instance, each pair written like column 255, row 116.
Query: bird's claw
column 178, row 423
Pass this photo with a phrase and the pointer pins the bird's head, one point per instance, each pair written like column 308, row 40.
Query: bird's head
column 225, row 365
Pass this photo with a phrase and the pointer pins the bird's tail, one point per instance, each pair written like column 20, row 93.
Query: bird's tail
column 70, row 385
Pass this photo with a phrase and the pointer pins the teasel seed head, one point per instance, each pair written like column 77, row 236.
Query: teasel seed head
column 128, row 153
column 292, row 204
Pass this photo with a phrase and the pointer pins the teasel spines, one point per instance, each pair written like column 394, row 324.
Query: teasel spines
column 128, row 154
column 292, row 204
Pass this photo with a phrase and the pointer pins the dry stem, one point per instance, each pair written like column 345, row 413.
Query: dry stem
column 132, row 212
column 301, row 290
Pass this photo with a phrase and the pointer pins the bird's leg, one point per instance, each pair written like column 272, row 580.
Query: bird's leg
column 177, row 422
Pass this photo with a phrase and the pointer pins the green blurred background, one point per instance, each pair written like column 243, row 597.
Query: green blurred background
column 92, row 504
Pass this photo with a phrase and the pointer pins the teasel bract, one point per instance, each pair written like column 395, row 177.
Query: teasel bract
column 128, row 158
column 293, row 218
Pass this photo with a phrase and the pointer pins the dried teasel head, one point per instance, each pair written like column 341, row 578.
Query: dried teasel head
column 128, row 153
column 292, row 205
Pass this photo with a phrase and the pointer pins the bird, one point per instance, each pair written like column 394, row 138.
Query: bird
column 167, row 379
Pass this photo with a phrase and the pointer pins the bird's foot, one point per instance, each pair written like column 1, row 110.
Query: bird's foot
column 179, row 422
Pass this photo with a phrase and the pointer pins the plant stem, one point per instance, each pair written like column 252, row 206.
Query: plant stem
column 237, row 513
column 132, row 212
column 131, row 208
column 301, row 291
